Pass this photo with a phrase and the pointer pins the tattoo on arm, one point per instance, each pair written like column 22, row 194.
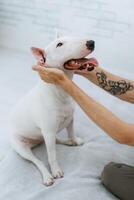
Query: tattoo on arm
column 113, row 87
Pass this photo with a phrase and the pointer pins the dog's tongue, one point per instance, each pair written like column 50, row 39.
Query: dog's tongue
column 83, row 64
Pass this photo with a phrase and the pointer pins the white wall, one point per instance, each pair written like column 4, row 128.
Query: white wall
column 24, row 23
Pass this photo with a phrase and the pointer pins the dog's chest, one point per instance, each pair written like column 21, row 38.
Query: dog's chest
column 65, row 116
column 57, row 107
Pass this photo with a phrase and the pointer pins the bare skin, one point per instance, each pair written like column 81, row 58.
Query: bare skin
column 122, row 88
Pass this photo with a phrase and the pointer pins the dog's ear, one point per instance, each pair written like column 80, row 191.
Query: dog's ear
column 57, row 35
column 39, row 54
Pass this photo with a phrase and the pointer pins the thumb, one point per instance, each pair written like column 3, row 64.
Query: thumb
column 37, row 68
column 78, row 73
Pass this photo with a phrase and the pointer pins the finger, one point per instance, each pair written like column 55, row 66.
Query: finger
column 41, row 63
column 38, row 68
column 35, row 67
column 76, row 73
column 80, row 73
column 46, row 79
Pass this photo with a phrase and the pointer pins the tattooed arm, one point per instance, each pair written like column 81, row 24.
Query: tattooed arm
column 117, row 86
column 110, row 123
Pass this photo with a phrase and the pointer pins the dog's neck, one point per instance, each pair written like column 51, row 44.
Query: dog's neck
column 69, row 74
column 58, row 92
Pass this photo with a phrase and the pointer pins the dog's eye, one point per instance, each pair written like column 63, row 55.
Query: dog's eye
column 59, row 44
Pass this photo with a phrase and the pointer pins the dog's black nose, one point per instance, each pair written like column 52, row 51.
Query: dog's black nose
column 90, row 45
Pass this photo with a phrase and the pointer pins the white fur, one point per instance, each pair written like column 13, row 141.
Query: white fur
column 46, row 110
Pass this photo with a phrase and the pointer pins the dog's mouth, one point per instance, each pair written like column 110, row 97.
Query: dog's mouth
column 81, row 64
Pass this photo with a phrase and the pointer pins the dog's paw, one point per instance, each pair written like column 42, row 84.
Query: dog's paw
column 57, row 172
column 48, row 180
column 77, row 141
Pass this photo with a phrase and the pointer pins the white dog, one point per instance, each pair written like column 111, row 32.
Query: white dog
column 47, row 109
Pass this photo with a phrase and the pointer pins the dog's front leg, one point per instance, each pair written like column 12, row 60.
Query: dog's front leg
column 73, row 140
column 50, row 140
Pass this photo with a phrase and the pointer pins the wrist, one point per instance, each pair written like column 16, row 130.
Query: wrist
column 92, row 75
column 66, row 84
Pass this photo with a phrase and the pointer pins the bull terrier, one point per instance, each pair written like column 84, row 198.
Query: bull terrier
column 47, row 109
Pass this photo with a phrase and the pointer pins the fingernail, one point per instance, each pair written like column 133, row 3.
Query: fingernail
column 34, row 68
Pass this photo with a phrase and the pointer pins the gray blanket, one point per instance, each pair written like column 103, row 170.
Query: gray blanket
column 20, row 180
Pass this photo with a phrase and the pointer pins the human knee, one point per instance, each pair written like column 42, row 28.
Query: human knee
column 109, row 172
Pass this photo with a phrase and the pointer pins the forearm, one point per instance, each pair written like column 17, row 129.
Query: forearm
column 111, row 124
column 115, row 85
column 105, row 119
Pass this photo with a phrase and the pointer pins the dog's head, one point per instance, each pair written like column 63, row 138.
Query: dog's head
column 62, row 51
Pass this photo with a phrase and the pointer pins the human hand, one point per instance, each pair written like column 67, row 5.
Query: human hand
column 82, row 66
column 50, row 75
